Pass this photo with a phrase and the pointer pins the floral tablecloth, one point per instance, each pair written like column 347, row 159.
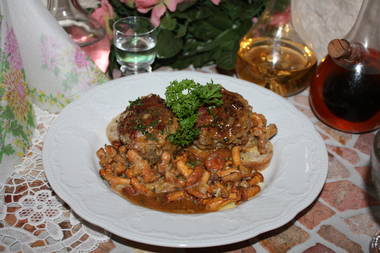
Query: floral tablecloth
column 342, row 219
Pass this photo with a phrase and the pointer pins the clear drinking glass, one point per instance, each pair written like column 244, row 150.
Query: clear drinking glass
column 375, row 173
column 135, row 40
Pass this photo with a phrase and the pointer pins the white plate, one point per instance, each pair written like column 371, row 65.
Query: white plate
column 292, row 181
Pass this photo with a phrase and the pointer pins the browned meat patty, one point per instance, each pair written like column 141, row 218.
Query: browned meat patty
column 145, row 125
column 227, row 125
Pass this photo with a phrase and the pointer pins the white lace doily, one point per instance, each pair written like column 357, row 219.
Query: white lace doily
column 34, row 219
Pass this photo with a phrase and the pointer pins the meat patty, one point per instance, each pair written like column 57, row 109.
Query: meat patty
column 226, row 125
column 145, row 125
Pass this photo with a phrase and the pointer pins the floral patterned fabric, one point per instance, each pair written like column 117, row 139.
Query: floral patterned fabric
column 73, row 70
column 56, row 69
column 39, row 64
column 16, row 112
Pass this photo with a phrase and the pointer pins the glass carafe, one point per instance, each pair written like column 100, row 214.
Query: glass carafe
column 273, row 55
column 82, row 29
column 345, row 92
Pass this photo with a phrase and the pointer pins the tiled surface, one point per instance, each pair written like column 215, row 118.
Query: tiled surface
column 342, row 219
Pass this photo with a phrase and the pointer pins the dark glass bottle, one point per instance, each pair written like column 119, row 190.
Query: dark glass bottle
column 345, row 92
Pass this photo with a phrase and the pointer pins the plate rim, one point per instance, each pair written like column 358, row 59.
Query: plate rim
column 313, row 194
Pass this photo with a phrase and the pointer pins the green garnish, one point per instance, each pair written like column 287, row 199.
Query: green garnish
column 143, row 129
column 184, row 98
column 135, row 102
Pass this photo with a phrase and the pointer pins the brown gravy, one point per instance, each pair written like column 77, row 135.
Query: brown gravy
column 159, row 202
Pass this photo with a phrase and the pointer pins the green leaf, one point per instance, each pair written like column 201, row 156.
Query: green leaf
column 184, row 98
column 243, row 27
column 8, row 149
column 181, row 99
column 194, row 47
column 204, row 31
column 228, row 44
column 233, row 7
column 193, row 14
column 168, row 23
column 181, row 31
column 188, row 122
column 30, row 120
column 220, row 20
column 201, row 59
column 225, row 59
column 185, row 5
column 242, row 9
column 7, row 114
column 227, row 39
column 184, row 62
column 168, row 45
column 2, row 91
column 184, row 137
column 17, row 130
column 210, row 94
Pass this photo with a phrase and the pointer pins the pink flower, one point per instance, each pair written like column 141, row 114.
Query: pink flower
column 103, row 14
column 11, row 48
column 157, row 12
column 145, row 5
column 158, row 8
column 216, row 2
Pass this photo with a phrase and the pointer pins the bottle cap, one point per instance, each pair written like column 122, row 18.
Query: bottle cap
column 339, row 48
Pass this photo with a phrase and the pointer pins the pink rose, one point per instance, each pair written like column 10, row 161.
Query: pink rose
column 172, row 4
column 216, row 2
column 145, row 4
column 157, row 12
column 103, row 14
column 158, row 8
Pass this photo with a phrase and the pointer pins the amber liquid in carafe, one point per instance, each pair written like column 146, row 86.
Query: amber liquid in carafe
column 283, row 66
column 347, row 96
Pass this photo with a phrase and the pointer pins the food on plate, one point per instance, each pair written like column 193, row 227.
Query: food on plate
column 145, row 126
column 202, row 149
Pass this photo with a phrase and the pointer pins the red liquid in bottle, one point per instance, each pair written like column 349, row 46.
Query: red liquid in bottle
column 347, row 96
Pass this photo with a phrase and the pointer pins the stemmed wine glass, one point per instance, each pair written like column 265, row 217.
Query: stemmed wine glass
column 375, row 172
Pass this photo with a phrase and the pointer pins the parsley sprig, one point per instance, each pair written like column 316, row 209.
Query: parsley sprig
column 184, row 98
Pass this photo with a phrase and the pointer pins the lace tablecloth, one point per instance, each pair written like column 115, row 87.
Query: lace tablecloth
column 342, row 219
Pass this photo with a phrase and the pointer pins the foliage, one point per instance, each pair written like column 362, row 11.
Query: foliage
column 199, row 33
column 184, row 98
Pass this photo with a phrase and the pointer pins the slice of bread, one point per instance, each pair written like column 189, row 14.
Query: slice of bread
column 251, row 157
column 111, row 131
